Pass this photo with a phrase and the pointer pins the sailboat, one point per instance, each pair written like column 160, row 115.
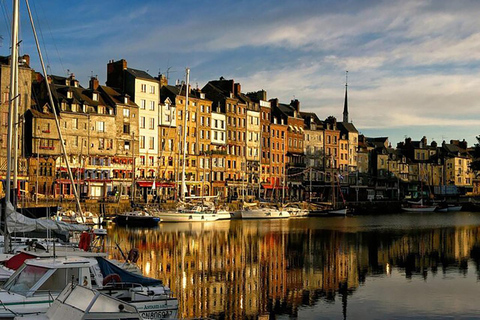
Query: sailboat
column 188, row 212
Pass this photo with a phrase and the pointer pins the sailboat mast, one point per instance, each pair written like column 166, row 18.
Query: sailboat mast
column 57, row 122
column 184, row 186
column 12, row 98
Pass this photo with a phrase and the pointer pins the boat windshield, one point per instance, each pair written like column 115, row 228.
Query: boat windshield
column 23, row 281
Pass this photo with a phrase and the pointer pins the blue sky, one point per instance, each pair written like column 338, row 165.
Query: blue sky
column 413, row 65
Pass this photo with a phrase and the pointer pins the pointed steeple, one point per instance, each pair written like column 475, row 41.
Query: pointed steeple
column 345, row 105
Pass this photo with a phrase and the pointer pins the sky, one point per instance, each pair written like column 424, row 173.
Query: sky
column 413, row 66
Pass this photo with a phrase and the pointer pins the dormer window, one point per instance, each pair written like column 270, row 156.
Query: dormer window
column 95, row 96
column 69, row 94
column 125, row 99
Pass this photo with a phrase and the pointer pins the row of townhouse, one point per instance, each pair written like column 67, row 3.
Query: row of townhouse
column 136, row 135
column 413, row 169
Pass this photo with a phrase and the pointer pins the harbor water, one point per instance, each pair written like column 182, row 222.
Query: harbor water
column 391, row 266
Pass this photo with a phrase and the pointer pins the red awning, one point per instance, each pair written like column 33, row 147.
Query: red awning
column 145, row 184
column 165, row 185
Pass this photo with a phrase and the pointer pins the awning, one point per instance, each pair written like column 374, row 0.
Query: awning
column 165, row 185
column 145, row 184
column 269, row 186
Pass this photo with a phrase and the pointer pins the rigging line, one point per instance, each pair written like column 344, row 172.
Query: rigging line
column 53, row 39
column 41, row 35
column 6, row 19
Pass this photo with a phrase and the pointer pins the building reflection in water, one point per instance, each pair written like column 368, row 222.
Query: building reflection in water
column 233, row 269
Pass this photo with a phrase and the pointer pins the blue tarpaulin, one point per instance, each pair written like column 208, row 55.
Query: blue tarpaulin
column 109, row 268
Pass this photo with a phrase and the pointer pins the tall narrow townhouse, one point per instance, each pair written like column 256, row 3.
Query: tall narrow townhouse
column 144, row 90
column 314, row 153
column 252, row 154
column 197, row 121
column 222, row 92
column 125, row 145
column 24, row 102
column 218, row 150
column 295, row 161
column 457, row 171
column 331, row 146
column 276, row 187
column 169, row 138
column 260, row 97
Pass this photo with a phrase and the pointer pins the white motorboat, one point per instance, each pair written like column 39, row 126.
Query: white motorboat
column 340, row 212
column 77, row 302
column 419, row 208
column 454, row 208
column 34, row 286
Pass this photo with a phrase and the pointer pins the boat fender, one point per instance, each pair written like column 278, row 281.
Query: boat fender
column 133, row 255
column 111, row 278
column 84, row 242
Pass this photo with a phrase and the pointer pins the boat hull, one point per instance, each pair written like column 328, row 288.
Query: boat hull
column 454, row 208
column 262, row 213
column 339, row 212
column 420, row 209
column 136, row 221
column 175, row 216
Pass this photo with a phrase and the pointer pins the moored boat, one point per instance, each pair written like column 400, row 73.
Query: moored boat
column 78, row 302
column 136, row 219
column 34, row 286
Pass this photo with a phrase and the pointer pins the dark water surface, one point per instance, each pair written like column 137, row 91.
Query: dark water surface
column 403, row 266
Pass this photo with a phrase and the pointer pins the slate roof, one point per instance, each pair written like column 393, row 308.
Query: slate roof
column 311, row 115
column 346, row 127
column 116, row 97
column 140, row 74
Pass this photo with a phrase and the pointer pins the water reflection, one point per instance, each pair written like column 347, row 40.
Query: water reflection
column 243, row 269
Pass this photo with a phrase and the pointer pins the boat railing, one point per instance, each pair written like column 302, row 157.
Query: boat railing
column 8, row 309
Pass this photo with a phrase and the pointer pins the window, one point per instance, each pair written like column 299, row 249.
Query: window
column 143, row 88
column 101, row 143
column 152, row 105
column 151, row 143
column 142, row 142
column 69, row 94
column 152, row 123
column 143, row 104
column 142, row 122
column 75, row 123
column 126, row 128
column 126, row 112
column 95, row 96
column 101, row 126
column 152, row 89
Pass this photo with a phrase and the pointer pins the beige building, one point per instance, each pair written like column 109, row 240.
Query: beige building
column 144, row 90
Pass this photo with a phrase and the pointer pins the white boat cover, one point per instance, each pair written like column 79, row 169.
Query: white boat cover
column 17, row 222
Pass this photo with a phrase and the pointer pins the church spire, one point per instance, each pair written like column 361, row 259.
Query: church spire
column 345, row 105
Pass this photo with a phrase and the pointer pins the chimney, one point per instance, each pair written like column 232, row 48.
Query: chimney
column 93, row 83
column 26, row 60
column 274, row 102
column 163, row 80
column 237, row 88
column 115, row 73
column 296, row 105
